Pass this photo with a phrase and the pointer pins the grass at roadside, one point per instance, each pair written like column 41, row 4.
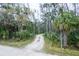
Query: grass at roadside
column 58, row 51
column 14, row 43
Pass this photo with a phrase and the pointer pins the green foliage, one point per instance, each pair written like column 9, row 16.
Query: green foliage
column 66, row 21
column 52, row 37
column 14, row 22
column 73, row 39
column 23, row 34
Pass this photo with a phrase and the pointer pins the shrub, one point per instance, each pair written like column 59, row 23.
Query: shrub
column 73, row 38
column 4, row 34
column 53, row 37
column 23, row 34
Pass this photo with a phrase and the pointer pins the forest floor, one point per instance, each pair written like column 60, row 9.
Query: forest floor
column 32, row 49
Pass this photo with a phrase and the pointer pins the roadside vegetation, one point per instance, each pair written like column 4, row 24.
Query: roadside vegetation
column 61, row 28
column 18, row 44
column 56, row 49
column 16, row 28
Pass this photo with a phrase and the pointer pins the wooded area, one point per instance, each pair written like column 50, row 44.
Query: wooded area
column 60, row 23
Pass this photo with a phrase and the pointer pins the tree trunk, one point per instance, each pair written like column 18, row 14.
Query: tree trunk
column 75, row 9
column 61, row 39
column 67, row 7
column 46, row 26
column 64, row 39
